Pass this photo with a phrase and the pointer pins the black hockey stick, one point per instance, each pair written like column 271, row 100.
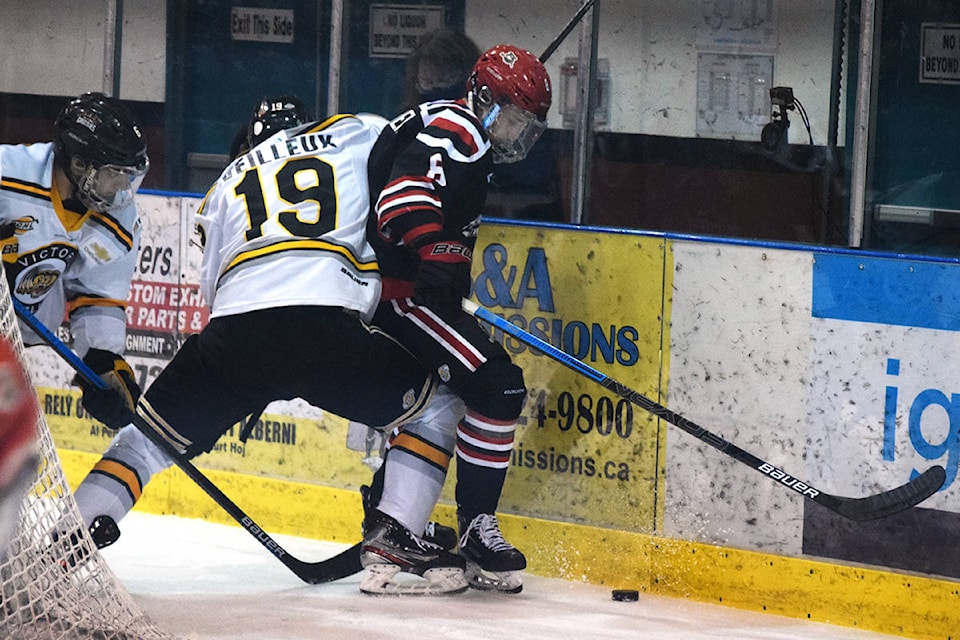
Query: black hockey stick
column 344, row 564
column 577, row 17
column 870, row 507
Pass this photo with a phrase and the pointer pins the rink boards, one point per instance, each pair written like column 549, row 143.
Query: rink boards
column 833, row 365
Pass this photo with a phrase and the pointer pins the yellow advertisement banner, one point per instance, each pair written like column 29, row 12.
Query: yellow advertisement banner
column 581, row 453
column 306, row 449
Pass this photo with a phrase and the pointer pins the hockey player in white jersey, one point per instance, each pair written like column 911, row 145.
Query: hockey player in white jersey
column 290, row 278
column 69, row 233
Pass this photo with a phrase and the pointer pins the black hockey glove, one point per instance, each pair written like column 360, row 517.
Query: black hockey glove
column 443, row 279
column 114, row 405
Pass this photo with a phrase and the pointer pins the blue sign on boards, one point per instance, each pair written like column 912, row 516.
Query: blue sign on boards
column 886, row 291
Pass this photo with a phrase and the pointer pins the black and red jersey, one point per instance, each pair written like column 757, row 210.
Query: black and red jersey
column 429, row 172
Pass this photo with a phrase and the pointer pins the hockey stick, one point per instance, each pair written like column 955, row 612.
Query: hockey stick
column 577, row 17
column 344, row 564
column 870, row 507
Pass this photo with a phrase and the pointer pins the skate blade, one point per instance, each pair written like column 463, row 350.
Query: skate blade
column 387, row 580
column 501, row 581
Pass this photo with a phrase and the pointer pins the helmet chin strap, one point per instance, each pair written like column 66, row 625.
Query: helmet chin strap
column 66, row 186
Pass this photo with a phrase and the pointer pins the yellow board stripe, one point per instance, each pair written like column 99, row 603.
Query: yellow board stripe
column 906, row 605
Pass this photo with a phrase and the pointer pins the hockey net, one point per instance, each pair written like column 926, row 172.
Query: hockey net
column 54, row 585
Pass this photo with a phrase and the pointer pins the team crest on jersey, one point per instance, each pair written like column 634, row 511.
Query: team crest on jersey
column 35, row 273
column 35, row 283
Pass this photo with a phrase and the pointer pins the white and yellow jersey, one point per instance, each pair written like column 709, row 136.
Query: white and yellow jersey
column 58, row 261
column 284, row 225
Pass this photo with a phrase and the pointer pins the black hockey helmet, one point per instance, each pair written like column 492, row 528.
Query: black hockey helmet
column 275, row 114
column 100, row 146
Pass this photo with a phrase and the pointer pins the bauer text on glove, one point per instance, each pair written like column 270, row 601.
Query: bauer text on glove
column 443, row 278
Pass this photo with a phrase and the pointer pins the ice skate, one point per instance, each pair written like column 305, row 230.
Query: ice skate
column 441, row 535
column 396, row 562
column 493, row 564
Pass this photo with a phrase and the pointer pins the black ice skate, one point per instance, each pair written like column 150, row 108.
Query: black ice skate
column 390, row 549
column 441, row 535
column 436, row 533
column 493, row 564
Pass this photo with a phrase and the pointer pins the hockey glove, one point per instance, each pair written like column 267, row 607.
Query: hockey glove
column 443, row 278
column 114, row 405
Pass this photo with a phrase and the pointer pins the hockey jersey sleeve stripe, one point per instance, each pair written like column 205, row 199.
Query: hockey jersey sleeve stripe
column 329, row 122
column 94, row 301
column 399, row 219
column 301, row 245
column 451, row 147
column 411, row 199
column 407, row 184
column 452, row 130
column 394, row 204
column 416, row 235
column 408, row 207
column 464, row 134
column 419, row 448
column 114, row 227
column 25, row 188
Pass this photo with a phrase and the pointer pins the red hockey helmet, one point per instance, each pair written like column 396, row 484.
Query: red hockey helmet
column 511, row 94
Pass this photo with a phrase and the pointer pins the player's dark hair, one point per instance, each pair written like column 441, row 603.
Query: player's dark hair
column 439, row 67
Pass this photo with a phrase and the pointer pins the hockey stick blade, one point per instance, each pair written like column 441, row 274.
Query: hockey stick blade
column 346, row 563
column 870, row 507
column 881, row 505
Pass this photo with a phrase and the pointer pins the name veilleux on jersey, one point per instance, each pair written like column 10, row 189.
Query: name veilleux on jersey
column 305, row 144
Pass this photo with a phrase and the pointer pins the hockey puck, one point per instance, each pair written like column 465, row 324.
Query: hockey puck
column 626, row 595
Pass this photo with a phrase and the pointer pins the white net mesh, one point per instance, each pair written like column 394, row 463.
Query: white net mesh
column 54, row 585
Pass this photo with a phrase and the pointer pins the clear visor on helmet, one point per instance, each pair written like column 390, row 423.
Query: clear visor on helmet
column 512, row 131
column 110, row 187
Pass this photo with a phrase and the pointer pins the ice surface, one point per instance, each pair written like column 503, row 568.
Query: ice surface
column 203, row 581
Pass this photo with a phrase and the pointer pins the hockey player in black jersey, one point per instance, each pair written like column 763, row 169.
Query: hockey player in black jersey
column 429, row 174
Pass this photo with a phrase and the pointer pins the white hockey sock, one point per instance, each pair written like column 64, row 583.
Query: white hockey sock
column 408, row 495
column 99, row 495
column 416, row 464
column 114, row 484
